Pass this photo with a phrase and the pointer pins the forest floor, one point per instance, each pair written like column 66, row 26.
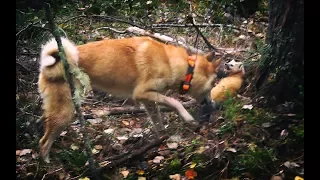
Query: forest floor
column 241, row 141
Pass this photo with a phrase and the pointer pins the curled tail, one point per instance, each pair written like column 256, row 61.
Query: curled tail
column 50, row 63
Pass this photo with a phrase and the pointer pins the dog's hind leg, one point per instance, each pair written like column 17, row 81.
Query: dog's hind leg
column 154, row 113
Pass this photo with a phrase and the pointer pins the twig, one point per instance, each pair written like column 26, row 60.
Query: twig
column 27, row 27
column 50, row 173
column 69, row 78
column 211, row 47
column 111, row 29
column 111, row 164
column 110, row 18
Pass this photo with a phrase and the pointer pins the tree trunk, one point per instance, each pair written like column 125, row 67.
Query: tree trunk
column 281, row 74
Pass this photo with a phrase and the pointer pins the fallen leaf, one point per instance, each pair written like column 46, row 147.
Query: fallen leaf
column 136, row 132
column 126, row 123
column 98, row 147
column 291, row 165
column 157, row 159
column 85, row 178
column 122, row 139
column 24, row 152
column 34, row 155
column 125, row 173
column 231, row 150
column 140, row 172
column 142, row 178
column 175, row 177
column 173, row 145
column 193, row 165
column 117, row 146
column 276, row 178
column 95, row 151
column 74, row 147
column 200, row 150
column 191, row 174
column 63, row 133
column 250, row 106
column 242, row 37
column 284, row 133
column 298, row 178
column 266, row 125
column 109, row 131
column 95, row 121
column 163, row 151
column 174, row 138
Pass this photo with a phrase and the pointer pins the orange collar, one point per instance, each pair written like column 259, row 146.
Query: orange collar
column 186, row 84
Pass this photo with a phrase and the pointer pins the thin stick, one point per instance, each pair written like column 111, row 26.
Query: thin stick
column 55, row 32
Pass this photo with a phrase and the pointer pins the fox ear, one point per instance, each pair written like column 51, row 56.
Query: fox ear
column 209, row 56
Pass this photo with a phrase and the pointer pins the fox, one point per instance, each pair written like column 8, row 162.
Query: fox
column 140, row 68
column 228, row 85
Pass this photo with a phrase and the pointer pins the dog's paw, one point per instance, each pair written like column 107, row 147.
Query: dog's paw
column 46, row 159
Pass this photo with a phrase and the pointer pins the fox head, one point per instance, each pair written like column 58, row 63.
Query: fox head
column 234, row 67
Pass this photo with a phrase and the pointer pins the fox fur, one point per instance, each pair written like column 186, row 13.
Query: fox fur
column 230, row 84
column 139, row 68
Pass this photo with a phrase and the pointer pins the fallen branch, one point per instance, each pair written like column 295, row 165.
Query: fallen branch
column 160, row 26
column 135, row 153
column 163, row 38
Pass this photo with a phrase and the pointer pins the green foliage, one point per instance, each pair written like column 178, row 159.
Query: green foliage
column 73, row 159
column 299, row 132
column 256, row 161
column 175, row 165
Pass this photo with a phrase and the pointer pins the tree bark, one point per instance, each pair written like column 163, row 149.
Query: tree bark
column 281, row 74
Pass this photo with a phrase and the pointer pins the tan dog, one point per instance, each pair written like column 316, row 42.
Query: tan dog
column 232, row 83
column 139, row 67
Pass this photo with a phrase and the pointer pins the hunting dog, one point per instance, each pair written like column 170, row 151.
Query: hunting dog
column 140, row 68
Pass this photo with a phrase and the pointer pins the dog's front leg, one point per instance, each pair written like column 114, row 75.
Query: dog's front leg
column 153, row 96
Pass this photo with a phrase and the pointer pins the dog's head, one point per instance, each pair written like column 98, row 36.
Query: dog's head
column 205, row 74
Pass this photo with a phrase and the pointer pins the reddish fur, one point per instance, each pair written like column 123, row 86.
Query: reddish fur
column 232, row 83
column 139, row 67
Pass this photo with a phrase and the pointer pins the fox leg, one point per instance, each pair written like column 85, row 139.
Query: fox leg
column 153, row 96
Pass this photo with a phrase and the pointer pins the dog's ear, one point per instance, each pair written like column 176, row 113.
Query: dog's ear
column 209, row 56
column 217, row 63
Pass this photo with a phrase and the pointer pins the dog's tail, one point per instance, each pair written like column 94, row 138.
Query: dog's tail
column 51, row 66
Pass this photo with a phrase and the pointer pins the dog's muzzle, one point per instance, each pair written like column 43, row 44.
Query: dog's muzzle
column 207, row 107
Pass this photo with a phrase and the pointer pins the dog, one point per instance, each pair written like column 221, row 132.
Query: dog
column 140, row 68
column 230, row 84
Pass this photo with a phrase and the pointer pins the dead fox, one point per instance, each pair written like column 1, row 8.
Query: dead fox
column 230, row 84
column 140, row 68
